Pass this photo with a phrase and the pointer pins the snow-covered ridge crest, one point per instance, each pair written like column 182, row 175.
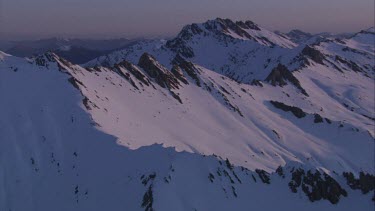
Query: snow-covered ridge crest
column 242, row 30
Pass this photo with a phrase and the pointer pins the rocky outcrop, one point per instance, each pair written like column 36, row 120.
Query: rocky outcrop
column 135, row 71
column 177, row 71
column 313, row 54
column 44, row 59
column 318, row 118
column 280, row 75
column 158, row 72
column 316, row 185
column 148, row 197
column 299, row 113
column 365, row 182
column 179, row 44
column 248, row 25
column 264, row 176
column 228, row 26
column 352, row 65
column 187, row 67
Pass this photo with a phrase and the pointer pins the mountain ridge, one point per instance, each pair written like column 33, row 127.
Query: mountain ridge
column 129, row 130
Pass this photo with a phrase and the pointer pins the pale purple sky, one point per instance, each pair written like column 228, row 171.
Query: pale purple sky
column 21, row 19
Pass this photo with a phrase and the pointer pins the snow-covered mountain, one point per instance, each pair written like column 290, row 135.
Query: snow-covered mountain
column 225, row 114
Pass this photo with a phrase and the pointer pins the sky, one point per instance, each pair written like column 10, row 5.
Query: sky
column 22, row 19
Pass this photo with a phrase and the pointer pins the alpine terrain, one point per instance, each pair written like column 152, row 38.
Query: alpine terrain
column 227, row 115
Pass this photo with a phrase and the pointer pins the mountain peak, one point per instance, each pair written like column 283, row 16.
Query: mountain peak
column 226, row 26
column 225, row 31
column 50, row 58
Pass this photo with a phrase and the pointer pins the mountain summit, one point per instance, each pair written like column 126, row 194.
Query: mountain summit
column 226, row 30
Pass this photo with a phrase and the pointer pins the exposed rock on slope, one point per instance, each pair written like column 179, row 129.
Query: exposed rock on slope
column 280, row 75
column 313, row 54
column 156, row 71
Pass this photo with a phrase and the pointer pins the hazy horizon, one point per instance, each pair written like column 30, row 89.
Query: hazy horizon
column 95, row 19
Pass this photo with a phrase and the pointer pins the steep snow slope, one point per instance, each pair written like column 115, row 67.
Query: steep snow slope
column 212, row 114
column 53, row 156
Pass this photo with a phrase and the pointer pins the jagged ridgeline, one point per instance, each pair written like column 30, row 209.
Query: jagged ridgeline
column 225, row 116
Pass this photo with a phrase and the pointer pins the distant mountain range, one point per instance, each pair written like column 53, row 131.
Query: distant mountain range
column 80, row 51
column 75, row 50
column 227, row 115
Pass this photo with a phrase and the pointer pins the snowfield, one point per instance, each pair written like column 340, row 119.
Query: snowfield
column 226, row 116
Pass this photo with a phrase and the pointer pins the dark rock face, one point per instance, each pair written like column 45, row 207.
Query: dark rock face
column 50, row 58
column 263, row 175
column 44, row 59
column 316, row 186
column 280, row 75
column 352, row 65
column 365, row 182
column 328, row 121
column 224, row 27
column 227, row 25
column 179, row 46
column 177, row 71
column 158, row 72
column 75, row 83
column 299, row 113
column 148, row 197
column 318, row 118
column 313, row 54
column 280, row 171
column 249, row 24
column 134, row 71
column 188, row 67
